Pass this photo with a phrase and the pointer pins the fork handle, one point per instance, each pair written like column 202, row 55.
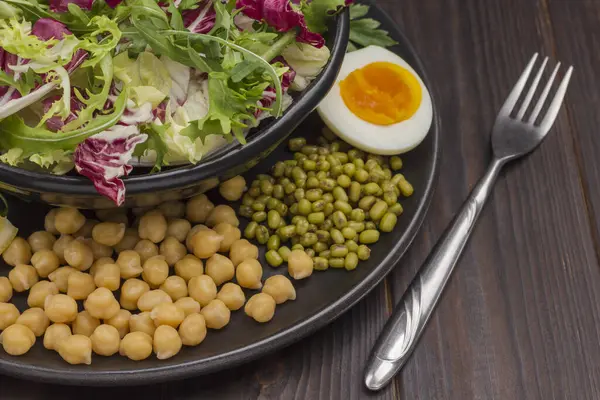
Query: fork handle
column 403, row 330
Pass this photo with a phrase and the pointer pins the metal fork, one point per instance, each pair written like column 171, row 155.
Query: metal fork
column 512, row 137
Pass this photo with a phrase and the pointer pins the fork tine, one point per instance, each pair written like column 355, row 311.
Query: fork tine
column 556, row 102
column 514, row 95
column 532, row 90
column 538, row 107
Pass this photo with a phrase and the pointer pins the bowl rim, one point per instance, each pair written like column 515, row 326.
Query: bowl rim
column 188, row 175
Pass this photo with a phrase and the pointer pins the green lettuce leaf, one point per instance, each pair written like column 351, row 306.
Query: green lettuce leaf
column 318, row 12
column 147, row 78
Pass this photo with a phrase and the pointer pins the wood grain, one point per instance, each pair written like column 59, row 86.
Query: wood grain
column 519, row 319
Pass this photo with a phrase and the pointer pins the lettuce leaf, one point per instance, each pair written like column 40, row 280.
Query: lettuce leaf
column 318, row 12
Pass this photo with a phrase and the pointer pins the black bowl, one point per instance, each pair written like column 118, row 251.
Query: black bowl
column 184, row 182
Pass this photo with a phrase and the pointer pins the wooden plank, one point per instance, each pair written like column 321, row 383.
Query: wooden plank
column 519, row 318
column 327, row 365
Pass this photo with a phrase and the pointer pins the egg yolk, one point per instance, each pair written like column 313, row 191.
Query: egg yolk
column 382, row 93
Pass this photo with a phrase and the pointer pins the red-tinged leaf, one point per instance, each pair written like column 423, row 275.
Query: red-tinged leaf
column 202, row 19
column 280, row 15
column 48, row 28
column 61, row 6
column 104, row 159
column 56, row 123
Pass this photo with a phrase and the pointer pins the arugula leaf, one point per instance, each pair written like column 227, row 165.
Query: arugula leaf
column 14, row 133
column 318, row 12
column 365, row 31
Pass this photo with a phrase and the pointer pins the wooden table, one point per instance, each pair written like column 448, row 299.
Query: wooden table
column 520, row 318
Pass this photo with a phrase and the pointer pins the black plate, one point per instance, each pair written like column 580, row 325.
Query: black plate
column 321, row 298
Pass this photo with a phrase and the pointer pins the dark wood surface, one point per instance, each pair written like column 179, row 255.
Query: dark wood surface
column 520, row 318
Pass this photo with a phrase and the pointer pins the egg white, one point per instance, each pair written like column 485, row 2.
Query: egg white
column 378, row 139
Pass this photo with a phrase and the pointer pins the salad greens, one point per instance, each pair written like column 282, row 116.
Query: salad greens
column 90, row 84
column 365, row 31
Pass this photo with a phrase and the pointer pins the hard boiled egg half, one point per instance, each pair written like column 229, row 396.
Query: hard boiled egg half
column 378, row 104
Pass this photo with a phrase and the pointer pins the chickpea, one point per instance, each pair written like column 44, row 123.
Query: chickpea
column 59, row 247
column 222, row 213
column 300, row 265
column 108, row 276
column 216, row 314
column 18, row 252
column 232, row 295
column 261, row 307
column 220, row 269
column 79, row 255
column 100, row 262
column 6, row 290
column 76, row 349
column 55, row 334
column 198, row 208
column 188, row 267
column 136, row 346
column 49, row 222
column 61, row 278
column 39, row 292
column 167, row 314
column 192, row 330
column 118, row 215
column 68, row 220
column 121, row 322
column 8, row 315
column 130, row 264
column 85, row 324
column 22, row 277
column 172, row 250
column 233, row 189
column 172, row 209
column 41, row 240
column 35, row 319
column 230, row 234
column 98, row 250
column 130, row 239
column 142, row 322
column 60, row 308
column 45, row 262
column 206, row 243
column 175, row 286
column 189, row 243
column 156, row 271
column 202, row 289
column 242, row 250
column 17, row 339
column 146, row 249
column 108, row 233
column 249, row 274
column 167, row 342
column 86, row 230
column 101, row 303
column 279, row 288
column 188, row 305
column 105, row 340
column 179, row 228
column 151, row 299
column 131, row 291
column 80, row 285
column 153, row 226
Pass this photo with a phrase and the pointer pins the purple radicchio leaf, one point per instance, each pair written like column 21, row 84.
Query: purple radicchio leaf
column 56, row 123
column 104, row 158
column 201, row 19
column 280, row 15
column 113, row 3
column 61, row 6
column 8, row 93
column 48, row 28
column 269, row 95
